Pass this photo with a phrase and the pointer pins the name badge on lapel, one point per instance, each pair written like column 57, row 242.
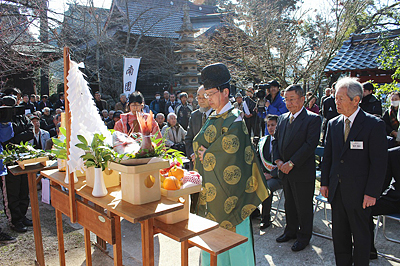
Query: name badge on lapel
column 356, row 145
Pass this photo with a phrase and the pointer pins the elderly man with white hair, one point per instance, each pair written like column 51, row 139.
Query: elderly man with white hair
column 353, row 172
column 174, row 133
column 48, row 118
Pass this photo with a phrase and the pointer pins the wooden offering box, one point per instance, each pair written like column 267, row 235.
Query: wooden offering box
column 182, row 196
column 111, row 177
column 41, row 160
column 140, row 184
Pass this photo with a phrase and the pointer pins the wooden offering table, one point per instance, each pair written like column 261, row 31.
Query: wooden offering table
column 31, row 171
column 107, row 224
column 184, row 230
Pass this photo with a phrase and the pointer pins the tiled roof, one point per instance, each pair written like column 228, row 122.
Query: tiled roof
column 160, row 18
column 359, row 52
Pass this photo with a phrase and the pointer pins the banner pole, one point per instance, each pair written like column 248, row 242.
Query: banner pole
column 71, row 184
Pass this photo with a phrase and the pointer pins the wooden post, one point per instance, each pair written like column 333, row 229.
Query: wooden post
column 71, row 185
column 60, row 237
column 88, row 247
column 37, row 231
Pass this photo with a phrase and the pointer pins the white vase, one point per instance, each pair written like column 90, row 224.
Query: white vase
column 99, row 188
column 66, row 180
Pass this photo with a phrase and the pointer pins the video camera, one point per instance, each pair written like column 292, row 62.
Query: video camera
column 261, row 90
column 7, row 112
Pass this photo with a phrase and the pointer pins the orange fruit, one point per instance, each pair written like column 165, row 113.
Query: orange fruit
column 172, row 183
column 177, row 172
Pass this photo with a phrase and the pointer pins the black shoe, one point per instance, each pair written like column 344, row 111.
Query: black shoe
column 27, row 222
column 6, row 239
column 285, row 238
column 19, row 227
column 373, row 255
column 264, row 225
column 297, row 246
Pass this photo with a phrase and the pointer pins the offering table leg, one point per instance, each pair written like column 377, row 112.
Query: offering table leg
column 60, row 237
column 185, row 253
column 88, row 247
column 147, row 242
column 37, row 231
column 117, row 247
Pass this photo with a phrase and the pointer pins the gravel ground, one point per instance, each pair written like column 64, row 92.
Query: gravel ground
column 167, row 251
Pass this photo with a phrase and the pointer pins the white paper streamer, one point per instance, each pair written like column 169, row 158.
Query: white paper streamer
column 85, row 119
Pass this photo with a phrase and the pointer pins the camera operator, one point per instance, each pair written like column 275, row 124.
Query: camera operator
column 6, row 132
column 274, row 102
column 16, row 194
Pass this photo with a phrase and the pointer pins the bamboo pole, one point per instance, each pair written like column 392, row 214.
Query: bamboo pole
column 71, row 185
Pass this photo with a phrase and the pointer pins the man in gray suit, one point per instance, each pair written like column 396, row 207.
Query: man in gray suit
column 196, row 121
column 296, row 137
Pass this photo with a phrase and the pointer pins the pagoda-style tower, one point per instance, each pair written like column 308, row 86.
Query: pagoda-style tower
column 188, row 73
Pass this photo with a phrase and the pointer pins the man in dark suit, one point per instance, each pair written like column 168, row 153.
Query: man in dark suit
column 353, row 171
column 329, row 109
column 389, row 202
column 369, row 103
column 100, row 103
column 61, row 102
column 196, row 122
column 163, row 103
column 296, row 138
column 250, row 114
column 45, row 103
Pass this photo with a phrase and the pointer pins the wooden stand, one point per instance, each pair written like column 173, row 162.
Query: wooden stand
column 41, row 160
column 182, row 196
column 109, row 221
column 31, row 171
column 182, row 231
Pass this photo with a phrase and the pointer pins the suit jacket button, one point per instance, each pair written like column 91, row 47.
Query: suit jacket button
column 341, row 161
column 337, row 175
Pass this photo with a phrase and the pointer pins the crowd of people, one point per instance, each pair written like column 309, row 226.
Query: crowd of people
column 246, row 147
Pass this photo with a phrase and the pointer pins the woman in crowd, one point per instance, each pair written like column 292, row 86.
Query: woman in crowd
column 391, row 116
column 312, row 106
column 128, row 122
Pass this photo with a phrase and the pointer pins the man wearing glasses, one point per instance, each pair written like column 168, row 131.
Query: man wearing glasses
column 196, row 121
column 232, row 178
column 296, row 138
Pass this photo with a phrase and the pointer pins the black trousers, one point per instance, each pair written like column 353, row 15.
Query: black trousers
column 350, row 228
column 15, row 196
column 299, row 209
column 382, row 207
column 251, row 126
column 273, row 184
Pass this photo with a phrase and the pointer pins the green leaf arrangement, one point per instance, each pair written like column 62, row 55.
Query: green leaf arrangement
column 24, row 151
column 97, row 153
column 60, row 146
